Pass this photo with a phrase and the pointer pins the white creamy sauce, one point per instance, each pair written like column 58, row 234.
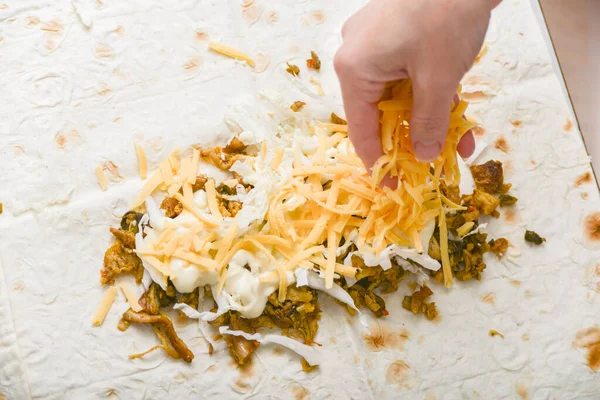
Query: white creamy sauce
column 187, row 277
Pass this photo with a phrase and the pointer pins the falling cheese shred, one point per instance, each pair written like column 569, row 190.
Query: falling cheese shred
column 104, row 306
column 231, row 52
column 101, row 177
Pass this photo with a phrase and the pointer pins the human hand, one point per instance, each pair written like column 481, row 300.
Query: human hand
column 433, row 42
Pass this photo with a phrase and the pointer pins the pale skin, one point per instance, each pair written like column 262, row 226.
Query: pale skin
column 433, row 42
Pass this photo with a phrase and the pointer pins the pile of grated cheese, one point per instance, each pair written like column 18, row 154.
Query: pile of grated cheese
column 311, row 199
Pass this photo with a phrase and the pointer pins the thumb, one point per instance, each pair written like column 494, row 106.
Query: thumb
column 430, row 117
column 360, row 98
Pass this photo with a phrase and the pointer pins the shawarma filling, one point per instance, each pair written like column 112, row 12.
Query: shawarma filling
column 295, row 215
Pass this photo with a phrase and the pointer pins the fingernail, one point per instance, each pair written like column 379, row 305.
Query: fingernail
column 427, row 150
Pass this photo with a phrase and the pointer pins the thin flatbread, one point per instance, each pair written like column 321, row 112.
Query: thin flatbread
column 83, row 83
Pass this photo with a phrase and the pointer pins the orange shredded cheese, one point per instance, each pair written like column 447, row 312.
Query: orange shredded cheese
column 231, row 53
column 211, row 198
column 141, row 155
column 132, row 299
column 104, row 306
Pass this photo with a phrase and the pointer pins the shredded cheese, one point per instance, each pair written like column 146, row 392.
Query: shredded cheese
column 465, row 228
column 277, row 158
column 330, row 196
column 131, row 297
column 141, row 155
column 332, row 245
column 104, row 306
column 231, row 53
column 101, row 178
column 190, row 207
column 211, row 197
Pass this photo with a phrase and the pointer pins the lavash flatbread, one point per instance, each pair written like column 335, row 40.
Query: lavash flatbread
column 83, row 80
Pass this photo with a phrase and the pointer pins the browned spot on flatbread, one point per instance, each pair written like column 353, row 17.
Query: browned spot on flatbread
column 251, row 14
column 50, row 44
column 192, row 64
column 52, row 26
column 332, row 340
column 398, row 373
column 515, row 282
column 381, row 337
column 19, row 286
column 592, row 227
column 516, row 123
column 101, row 50
column 300, row 393
column 3, row 6
column 479, row 131
column 527, row 294
column 105, row 90
column 568, row 126
column 511, row 216
column 507, row 166
column 429, row 396
column 19, row 149
column 61, row 140
column 584, row 178
column 589, row 338
column 502, row 144
column 597, row 270
column 201, row 35
column 521, row 391
column 318, row 16
column 32, row 20
column 262, row 62
column 211, row 368
column 585, row 195
column 156, row 143
column 489, row 298
column 421, row 339
column 120, row 30
column 111, row 392
column 241, row 386
column 272, row 17
column 246, row 371
column 356, row 359
column 113, row 170
column 525, row 337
